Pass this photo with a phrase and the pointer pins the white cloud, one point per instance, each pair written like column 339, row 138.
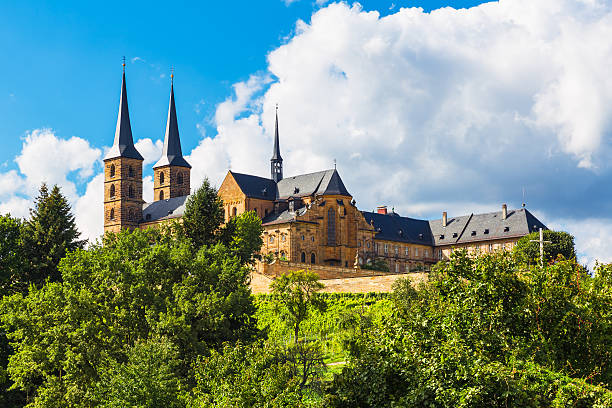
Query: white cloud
column 47, row 158
column 592, row 238
column 150, row 151
column 89, row 209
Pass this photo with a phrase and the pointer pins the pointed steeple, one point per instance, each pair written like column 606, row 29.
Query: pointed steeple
column 276, row 162
column 123, row 146
column 172, row 154
column 276, row 153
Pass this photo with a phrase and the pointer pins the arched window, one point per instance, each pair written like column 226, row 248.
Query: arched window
column 234, row 212
column 131, row 192
column 313, row 258
column 161, row 178
column 112, row 170
column 283, row 256
column 131, row 214
column 131, row 171
column 111, row 216
column 179, row 179
column 331, row 227
column 303, row 258
column 161, row 194
column 112, row 191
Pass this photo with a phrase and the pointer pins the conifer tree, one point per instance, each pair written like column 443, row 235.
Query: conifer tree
column 203, row 215
column 48, row 235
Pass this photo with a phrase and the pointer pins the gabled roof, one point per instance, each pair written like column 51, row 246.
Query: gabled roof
column 484, row 227
column 123, row 145
column 172, row 154
column 326, row 182
column 255, row 186
column 164, row 209
column 392, row 227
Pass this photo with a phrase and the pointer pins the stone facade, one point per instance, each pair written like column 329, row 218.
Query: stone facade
column 170, row 182
column 122, row 193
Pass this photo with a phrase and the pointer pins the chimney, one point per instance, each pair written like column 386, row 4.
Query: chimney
column 504, row 211
column 444, row 219
column 382, row 209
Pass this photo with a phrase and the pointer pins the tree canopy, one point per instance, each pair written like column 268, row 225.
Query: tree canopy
column 203, row 215
column 559, row 243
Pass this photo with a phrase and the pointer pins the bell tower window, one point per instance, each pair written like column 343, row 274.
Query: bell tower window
column 111, row 216
column 112, row 191
column 131, row 171
column 161, row 180
column 161, row 194
column 179, row 179
column 112, row 171
column 131, row 192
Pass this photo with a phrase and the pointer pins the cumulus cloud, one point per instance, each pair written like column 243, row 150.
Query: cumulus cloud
column 47, row 158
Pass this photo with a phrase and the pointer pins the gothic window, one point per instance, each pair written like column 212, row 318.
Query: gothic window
column 331, row 227
column 131, row 171
column 112, row 170
column 131, row 192
column 303, row 257
column 111, row 216
column 131, row 214
column 161, row 178
column 179, row 179
column 112, row 191
column 161, row 193
column 313, row 258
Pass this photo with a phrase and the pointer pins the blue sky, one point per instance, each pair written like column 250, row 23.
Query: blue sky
column 426, row 110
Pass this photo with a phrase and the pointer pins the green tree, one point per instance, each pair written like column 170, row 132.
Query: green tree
column 485, row 332
column 561, row 243
column 297, row 295
column 11, row 254
column 245, row 376
column 136, row 286
column 203, row 215
column 48, row 236
column 149, row 378
column 242, row 235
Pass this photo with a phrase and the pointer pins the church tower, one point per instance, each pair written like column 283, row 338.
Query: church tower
column 171, row 172
column 276, row 162
column 122, row 174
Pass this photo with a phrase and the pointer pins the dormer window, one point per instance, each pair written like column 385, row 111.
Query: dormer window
column 296, row 190
column 486, row 231
column 442, row 236
column 506, row 229
column 454, row 235
column 473, row 233
column 421, row 236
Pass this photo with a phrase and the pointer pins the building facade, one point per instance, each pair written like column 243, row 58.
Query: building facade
column 308, row 219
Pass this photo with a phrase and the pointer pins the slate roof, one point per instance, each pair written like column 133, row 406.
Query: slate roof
column 284, row 217
column 255, row 186
column 172, row 154
column 325, row 182
column 484, row 227
column 393, row 227
column 123, row 145
column 164, row 209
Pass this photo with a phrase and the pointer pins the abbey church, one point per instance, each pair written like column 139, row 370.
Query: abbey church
column 309, row 220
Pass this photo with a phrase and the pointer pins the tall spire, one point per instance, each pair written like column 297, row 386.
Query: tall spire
column 276, row 162
column 172, row 154
column 276, row 153
column 123, row 146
